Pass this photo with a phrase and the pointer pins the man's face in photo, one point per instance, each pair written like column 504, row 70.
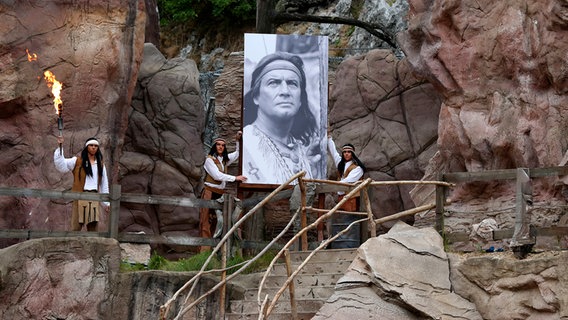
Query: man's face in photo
column 279, row 94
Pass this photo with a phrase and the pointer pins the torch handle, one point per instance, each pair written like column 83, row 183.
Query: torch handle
column 60, row 127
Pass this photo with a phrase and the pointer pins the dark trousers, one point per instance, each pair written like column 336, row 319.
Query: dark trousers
column 207, row 217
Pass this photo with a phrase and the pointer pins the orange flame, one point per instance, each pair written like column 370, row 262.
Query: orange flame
column 55, row 90
column 31, row 57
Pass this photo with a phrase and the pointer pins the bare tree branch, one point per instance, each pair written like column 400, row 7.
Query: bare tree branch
column 377, row 30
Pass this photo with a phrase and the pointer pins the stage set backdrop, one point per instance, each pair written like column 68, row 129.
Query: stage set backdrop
column 285, row 95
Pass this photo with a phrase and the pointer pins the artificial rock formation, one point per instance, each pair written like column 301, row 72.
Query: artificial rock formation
column 79, row 278
column 501, row 68
column 502, row 77
column 94, row 48
column 163, row 153
column 58, row 278
column 406, row 274
column 391, row 117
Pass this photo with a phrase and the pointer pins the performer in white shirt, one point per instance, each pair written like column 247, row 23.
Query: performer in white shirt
column 89, row 175
column 349, row 167
column 216, row 178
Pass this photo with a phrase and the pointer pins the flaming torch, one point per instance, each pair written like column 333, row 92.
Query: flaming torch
column 57, row 103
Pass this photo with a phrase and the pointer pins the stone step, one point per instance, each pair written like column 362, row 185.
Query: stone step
column 304, row 280
column 272, row 316
column 282, row 306
column 319, row 292
column 327, row 255
column 311, row 267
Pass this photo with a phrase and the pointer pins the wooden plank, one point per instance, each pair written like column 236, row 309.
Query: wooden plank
column 170, row 200
column 35, row 234
column 508, row 234
column 53, row 194
column 258, row 245
column 253, row 201
column 169, row 240
column 505, row 174
column 455, row 177
column 324, row 211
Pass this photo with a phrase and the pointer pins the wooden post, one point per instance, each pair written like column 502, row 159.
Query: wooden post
column 293, row 307
column 223, row 289
column 225, row 250
column 114, row 211
column 371, row 225
column 440, row 199
column 321, row 205
column 303, row 215
column 522, row 241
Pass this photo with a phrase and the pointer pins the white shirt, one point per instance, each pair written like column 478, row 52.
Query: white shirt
column 354, row 175
column 217, row 174
column 65, row 165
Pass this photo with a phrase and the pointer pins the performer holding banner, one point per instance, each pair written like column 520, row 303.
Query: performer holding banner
column 89, row 175
column 216, row 177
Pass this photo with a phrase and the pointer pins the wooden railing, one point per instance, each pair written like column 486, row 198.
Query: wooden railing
column 233, row 209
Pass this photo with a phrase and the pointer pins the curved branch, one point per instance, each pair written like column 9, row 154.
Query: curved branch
column 375, row 29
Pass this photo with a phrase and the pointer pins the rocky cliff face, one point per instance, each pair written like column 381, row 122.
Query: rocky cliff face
column 163, row 151
column 94, row 48
column 500, row 67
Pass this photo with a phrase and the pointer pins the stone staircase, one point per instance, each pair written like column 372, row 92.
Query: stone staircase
column 313, row 286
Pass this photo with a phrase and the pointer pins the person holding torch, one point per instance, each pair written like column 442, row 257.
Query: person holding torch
column 89, row 175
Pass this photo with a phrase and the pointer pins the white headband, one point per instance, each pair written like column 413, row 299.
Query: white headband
column 92, row 141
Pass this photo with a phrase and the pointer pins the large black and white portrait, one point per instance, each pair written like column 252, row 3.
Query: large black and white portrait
column 284, row 107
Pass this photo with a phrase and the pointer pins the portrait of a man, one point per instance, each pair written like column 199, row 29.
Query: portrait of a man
column 284, row 107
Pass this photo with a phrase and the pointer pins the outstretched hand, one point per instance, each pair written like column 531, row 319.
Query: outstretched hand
column 239, row 135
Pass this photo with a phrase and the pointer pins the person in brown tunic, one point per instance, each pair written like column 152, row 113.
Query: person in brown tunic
column 216, row 178
column 89, row 175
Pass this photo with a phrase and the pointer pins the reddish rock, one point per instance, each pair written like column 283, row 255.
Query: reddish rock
column 391, row 116
column 501, row 68
column 94, row 48
column 163, row 149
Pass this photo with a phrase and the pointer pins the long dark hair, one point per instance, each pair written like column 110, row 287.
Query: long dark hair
column 86, row 164
column 213, row 152
column 305, row 125
column 341, row 164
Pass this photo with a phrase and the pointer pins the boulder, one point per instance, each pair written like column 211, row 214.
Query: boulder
column 58, row 278
column 163, row 152
column 395, row 271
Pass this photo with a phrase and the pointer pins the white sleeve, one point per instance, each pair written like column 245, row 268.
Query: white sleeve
column 353, row 176
column 233, row 156
column 63, row 164
column 333, row 151
column 104, row 185
column 214, row 172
